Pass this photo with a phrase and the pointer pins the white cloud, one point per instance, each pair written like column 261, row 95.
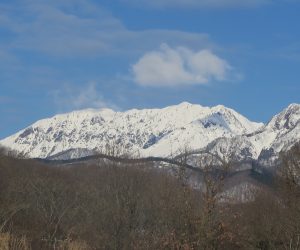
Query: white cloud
column 179, row 66
column 198, row 3
column 81, row 28
column 73, row 98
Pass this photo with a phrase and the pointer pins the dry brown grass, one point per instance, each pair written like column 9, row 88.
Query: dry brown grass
column 74, row 245
column 10, row 242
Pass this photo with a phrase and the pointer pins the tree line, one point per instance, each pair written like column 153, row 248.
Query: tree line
column 124, row 206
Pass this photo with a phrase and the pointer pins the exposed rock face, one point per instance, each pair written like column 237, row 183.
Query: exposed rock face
column 163, row 132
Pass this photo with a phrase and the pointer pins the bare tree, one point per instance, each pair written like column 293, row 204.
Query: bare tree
column 289, row 187
column 212, row 226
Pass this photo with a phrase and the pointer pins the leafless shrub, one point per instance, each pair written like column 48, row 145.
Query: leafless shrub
column 125, row 206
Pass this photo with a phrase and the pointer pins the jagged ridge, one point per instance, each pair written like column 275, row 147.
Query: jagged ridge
column 157, row 132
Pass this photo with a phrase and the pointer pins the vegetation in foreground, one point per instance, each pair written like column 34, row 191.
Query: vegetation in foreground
column 139, row 207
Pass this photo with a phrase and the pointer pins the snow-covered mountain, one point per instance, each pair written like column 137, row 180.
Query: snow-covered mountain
column 265, row 144
column 163, row 132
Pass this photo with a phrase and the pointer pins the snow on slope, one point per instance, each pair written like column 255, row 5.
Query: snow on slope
column 282, row 132
column 265, row 144
column 149, row 132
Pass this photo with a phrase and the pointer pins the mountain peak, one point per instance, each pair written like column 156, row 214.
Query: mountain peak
column 294, row 106
column 148, row 132
column 286, row 119
column 184, row 104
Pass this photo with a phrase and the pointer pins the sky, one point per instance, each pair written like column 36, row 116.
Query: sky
column 62, row 55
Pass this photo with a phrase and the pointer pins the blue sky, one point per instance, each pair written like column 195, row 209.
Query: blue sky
column 62, row 55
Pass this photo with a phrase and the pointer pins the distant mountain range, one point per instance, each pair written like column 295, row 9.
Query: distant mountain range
column 166, row 132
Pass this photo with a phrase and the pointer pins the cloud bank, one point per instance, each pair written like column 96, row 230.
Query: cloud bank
column 198, row 3
column 71, row 98
column 179, row 66
column 80, row 28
